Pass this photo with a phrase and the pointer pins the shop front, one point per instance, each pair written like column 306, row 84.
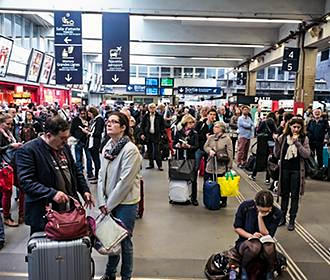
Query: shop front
column 52, row 95
column 19, row 94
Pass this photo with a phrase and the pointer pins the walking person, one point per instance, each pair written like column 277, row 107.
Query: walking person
column 233, row 125
column 218, row 147
column 245, row 127
column 186, row 143
column 292, row 147
column 118, row 189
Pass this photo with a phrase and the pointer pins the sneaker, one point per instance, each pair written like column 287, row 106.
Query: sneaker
column 160, row 169
column 291, row 226
column 10, row 223
column 267, row 182
column 253, row 178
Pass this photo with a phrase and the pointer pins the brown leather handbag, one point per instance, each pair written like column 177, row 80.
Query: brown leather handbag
column 66, row 225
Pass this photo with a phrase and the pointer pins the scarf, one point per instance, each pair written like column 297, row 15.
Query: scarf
column 292, row 151
column 113, row 152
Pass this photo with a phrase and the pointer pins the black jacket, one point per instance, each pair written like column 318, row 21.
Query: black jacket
column 202, row 129
column 316, row 131
column 37, row 177
column 267, row 127
column 76, row 132
column 191, row 138
column 98, row 131
column 159, row 126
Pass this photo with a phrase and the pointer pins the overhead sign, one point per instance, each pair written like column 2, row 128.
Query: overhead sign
column 6, row 46
column 115, row 48
column 291, row 59
column 34, row 66
column 167, row 82
column 46, row 69
column 136, row 88
column 152, row 91
column 152, row 82
column 199, row 90
column 68, row 47
column 166, row 91
column 241, row 78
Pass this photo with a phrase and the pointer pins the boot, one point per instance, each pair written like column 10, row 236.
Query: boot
column 291, row 225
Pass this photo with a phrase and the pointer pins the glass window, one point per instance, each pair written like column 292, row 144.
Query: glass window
column 27, row 30
column 271, row 73
column 165, row 72
column 143, row 71
column 8, row 31
column 188, row 72
column 51, row 46
column 261, row 74
column 200, row 73
column 18, row 26
column 221, row 73
column 35, row 31
column 211, row 73
column 177, row 72
column 280, row 74
column 132, row 70
column 154, row 71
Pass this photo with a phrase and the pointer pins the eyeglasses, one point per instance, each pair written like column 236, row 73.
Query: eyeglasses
column 113, row 122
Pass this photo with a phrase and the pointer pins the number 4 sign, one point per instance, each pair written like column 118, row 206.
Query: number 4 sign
column 291, row 59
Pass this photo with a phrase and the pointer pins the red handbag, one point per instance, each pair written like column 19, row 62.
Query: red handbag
column 66, row 225
column 6, row 177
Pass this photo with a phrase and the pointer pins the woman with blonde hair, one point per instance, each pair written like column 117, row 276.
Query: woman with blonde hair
column 186, row 143
column 220, row 148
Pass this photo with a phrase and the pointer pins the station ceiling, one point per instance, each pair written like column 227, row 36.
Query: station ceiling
column 187, row 32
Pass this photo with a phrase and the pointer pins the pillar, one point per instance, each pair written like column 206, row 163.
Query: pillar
column 305, row 81
column 251, row 83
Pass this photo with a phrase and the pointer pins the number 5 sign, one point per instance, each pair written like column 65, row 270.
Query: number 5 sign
column 291, row 59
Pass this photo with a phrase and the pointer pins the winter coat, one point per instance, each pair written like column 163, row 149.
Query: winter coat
column 304, row 152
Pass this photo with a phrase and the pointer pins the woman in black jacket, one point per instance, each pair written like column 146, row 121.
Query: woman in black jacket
column 186, row 143
column 95, row 137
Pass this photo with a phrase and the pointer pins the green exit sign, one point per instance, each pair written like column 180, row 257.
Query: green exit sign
column 167, row 82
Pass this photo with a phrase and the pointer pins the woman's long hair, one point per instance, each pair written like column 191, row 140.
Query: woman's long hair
column 295, row 120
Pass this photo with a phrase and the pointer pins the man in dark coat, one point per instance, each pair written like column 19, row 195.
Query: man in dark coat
column 153, row 127
column 47, row 173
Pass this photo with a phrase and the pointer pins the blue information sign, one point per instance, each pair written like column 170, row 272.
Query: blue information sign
column 115, row 48
column 68, row 47
column 199, row 90
column 152, row 91
column 154, row 82
column 136, row 88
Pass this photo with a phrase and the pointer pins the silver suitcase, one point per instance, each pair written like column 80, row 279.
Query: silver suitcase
column 59, row 260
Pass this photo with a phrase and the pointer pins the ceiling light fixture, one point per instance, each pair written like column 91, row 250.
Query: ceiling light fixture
column 203, row 44
column 216, row 58
column 223, row 19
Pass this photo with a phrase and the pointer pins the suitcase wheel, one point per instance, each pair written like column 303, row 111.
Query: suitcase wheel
column 170, row 201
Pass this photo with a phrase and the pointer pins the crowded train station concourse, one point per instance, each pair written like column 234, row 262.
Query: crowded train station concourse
column 164, row 139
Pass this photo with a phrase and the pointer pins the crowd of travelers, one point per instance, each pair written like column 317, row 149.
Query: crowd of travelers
column 107, row 144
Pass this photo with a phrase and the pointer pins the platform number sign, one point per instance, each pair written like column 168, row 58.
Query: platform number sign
column 241, row 78
column 291, row 59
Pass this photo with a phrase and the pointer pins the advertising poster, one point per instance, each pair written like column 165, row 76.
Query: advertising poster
column 34, row 66
column 6, row 46
column 52, row 80
column 46, row 69
column 115, row 48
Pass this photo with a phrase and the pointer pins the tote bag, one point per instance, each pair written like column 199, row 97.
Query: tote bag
column 229, row 184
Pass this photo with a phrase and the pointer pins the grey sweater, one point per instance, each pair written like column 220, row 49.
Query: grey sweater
column 119, row 180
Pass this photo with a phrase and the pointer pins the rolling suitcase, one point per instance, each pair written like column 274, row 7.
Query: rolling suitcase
column 179, row 192
column 59, row 260
column 140, row 207
column 211, row 192
column 325, row 155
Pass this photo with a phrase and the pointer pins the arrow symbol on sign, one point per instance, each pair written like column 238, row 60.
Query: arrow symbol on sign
column 67, row 40
column 115, row 78
column 181, row 89
column 129, row 87
column 68, row 78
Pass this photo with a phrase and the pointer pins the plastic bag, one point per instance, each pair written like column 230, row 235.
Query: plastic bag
column 229, row 184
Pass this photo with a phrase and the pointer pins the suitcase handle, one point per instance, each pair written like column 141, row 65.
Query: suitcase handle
column 93, row 268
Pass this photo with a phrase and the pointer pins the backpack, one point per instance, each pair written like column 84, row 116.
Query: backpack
column 28, row 133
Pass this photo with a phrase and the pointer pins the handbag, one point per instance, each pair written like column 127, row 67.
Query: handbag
column 222, row 158
column 66, row 225
column 229, row 184
column 6, row 176
column 110, row 232
column 217, row 267
column 181, row 169
column 273, row 167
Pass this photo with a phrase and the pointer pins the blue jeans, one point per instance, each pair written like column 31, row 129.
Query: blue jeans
column 79, row 148
column 127, row 214
column 2, row 229
column 198, row 157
